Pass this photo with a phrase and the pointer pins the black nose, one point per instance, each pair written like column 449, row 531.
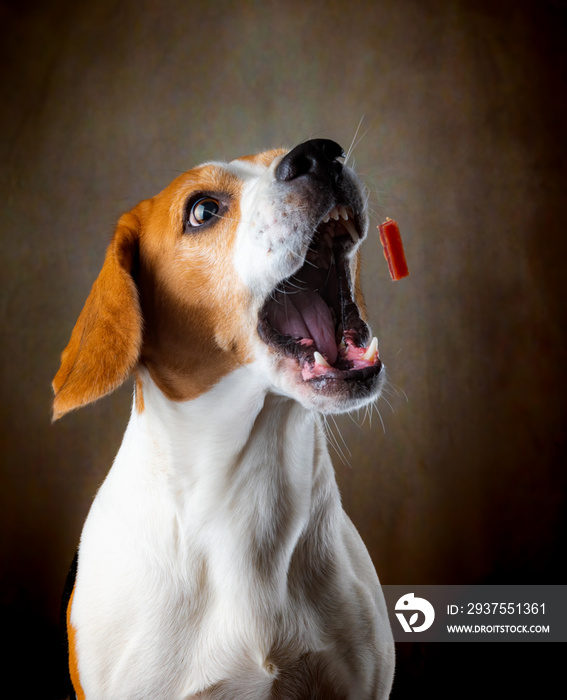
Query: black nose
column 317, row 158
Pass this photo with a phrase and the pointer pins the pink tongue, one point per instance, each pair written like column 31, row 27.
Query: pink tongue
column 305, row 315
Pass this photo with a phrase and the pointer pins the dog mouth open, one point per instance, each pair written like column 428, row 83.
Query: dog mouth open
column 313, row 317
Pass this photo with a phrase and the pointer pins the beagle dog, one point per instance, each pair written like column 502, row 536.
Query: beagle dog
column 217, row 562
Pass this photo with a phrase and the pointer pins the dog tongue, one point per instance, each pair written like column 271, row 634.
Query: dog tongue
column 305, row 315
column 317, row 317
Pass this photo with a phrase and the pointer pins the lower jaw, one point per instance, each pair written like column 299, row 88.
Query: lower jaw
column 335, row 392
column 337, row 375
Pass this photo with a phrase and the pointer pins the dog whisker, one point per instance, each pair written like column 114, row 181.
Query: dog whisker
column 375, row 407
column 352, row 143
column 300, row 257
column 296, row 286
column 395, row 389
column 386, row 400
column 340, row 435
column 332, row 440
column 356, row 420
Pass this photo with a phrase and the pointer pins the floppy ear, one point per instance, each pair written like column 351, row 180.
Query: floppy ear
column 106, row 341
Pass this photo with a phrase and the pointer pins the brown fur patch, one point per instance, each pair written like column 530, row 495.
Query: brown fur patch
column 139, row 390
column 73, row 664
column 106, row 340
column 195, row 326
column 264, row 158
column 358, row 296
column 195, row 312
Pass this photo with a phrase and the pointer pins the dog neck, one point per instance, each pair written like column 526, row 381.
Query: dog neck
column 246, row 469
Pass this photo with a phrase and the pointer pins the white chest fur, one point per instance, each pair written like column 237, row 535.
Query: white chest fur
column 217, row 554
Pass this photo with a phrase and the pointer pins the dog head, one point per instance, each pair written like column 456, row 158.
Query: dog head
column 253, row 262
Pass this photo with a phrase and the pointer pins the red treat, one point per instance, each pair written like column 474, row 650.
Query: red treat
column 393, row 249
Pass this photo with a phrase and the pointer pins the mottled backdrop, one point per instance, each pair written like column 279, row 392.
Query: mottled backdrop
column 461, row 478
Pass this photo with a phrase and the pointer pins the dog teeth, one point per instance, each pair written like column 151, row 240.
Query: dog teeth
column 320, row 360
column 371, row 351
column 350, row 227
column 344, row 215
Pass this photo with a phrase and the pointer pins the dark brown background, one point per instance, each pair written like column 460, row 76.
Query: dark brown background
column 464, row 121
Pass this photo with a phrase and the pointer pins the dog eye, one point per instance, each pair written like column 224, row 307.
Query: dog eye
column 203, row 210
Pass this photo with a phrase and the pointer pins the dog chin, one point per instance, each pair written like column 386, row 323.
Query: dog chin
column 330, row 392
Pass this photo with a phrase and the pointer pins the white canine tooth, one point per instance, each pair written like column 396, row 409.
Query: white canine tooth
column 343, row 213
column 320, row 360
column 350, row 227
column 370, row 354
column 334, row 214
column 326, row 218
